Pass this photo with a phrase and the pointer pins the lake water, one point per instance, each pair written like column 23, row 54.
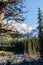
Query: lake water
column 30, row 63
column 37, row 62
column 26, row 61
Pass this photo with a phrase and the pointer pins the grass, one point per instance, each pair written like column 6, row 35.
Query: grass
column 6, row 53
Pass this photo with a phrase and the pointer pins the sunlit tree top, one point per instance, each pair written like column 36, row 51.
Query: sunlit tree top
column 10, row 1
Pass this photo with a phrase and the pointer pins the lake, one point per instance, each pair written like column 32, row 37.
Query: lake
column 37, row 62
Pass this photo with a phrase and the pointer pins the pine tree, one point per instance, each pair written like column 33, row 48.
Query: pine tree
column 11, row 10
column 40, row 34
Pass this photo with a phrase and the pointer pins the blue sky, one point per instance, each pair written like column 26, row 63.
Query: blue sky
column 31, row 16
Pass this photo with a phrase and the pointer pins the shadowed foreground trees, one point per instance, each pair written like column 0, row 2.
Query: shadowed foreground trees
column 29, row 46
column 14, row 45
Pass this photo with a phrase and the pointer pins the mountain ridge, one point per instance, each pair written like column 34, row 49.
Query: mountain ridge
column 20, row 27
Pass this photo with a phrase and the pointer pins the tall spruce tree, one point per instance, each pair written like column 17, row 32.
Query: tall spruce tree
column 40, row 29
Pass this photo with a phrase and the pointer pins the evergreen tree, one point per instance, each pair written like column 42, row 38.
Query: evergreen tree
column 40, row 29
column 10, row 10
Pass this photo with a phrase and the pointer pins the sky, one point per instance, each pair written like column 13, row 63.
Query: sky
column 31, row 16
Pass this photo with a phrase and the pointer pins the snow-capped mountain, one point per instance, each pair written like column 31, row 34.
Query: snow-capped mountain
column 22, row 28
column 17, row 26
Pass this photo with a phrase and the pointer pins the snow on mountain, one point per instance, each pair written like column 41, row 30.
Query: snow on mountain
column 21, row 27
column 17, row 26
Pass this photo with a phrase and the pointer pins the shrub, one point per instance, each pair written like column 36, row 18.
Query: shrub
column 6, row 53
